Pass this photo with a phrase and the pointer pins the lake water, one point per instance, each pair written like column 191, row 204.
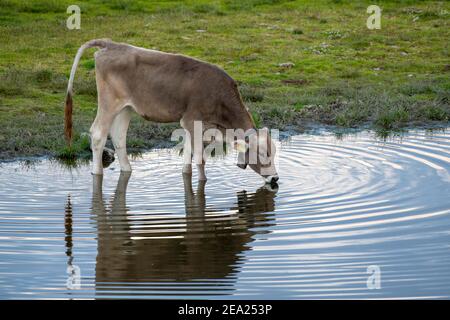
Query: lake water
column 352, row 217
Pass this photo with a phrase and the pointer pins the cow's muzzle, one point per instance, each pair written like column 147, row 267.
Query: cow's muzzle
column 242, row 165
column 271, row 179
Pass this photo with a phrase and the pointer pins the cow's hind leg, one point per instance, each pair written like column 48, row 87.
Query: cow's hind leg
column 99, row 132
column 118, row 133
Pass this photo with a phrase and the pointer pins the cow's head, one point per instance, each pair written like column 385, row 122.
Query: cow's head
column 259, row 155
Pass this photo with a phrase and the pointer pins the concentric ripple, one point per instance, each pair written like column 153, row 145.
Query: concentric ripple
column 344, row 207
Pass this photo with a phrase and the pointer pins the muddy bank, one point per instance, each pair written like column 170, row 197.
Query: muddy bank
column 145, row 136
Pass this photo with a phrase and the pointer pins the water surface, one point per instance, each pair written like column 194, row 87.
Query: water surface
column 342, row 207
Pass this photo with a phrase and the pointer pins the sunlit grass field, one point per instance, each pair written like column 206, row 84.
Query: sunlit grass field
column 297, row 62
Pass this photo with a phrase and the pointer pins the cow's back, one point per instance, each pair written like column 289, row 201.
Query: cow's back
column 163, row 86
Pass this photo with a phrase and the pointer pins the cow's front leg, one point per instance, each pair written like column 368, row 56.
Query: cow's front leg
column 200, row 161
column 201, row 172
column 200, row 158
column 187, row 154
column 193, row 148
column 187, row 168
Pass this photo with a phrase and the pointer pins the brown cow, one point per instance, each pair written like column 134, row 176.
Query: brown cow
column 163, row 87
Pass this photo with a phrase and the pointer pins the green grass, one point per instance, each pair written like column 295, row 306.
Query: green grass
column 342, row 74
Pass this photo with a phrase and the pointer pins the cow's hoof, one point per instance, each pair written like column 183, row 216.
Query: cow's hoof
column 242, row 165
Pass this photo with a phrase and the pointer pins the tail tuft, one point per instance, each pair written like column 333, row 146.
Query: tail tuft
column 68, row 127
column 100, row 43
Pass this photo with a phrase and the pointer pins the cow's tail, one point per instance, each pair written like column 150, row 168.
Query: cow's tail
column 68, row 109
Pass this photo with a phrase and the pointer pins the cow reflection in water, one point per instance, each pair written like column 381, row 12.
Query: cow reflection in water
column 209, row 247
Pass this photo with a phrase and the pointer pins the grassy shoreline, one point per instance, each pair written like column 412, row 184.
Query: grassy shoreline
column 296, row 62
